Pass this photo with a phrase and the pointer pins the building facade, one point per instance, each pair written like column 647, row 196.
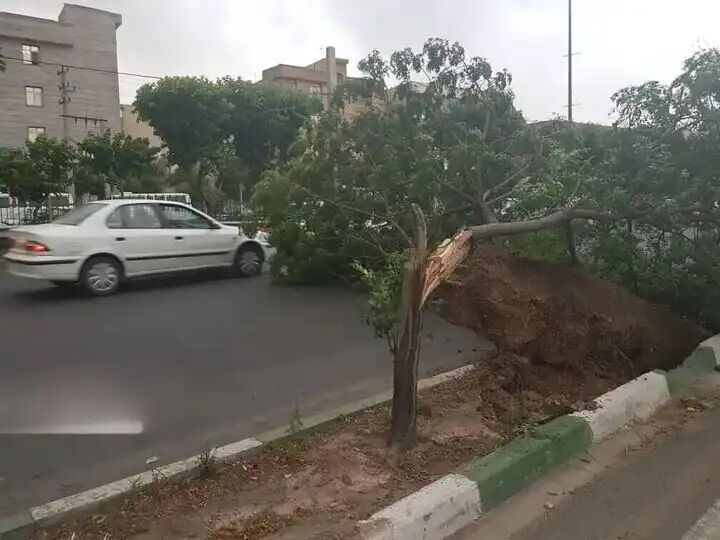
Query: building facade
column 133, row 126
column 319, row 78
column 61, row 77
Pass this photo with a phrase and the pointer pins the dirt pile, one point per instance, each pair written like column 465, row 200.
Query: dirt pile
column 552, row 314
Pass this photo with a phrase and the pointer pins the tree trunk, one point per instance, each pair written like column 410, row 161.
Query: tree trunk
column 403, row 430
column 570, row 238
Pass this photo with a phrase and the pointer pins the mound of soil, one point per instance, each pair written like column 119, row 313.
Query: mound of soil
column 552, row 314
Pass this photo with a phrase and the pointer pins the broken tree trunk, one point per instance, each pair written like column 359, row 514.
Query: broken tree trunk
column 403, row 430
column 422, row 276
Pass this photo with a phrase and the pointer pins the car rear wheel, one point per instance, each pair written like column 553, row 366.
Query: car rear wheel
column 248, row 261
column 101, row 276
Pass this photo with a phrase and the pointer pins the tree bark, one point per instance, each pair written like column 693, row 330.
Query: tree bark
column 570, row 238
column 403, row 429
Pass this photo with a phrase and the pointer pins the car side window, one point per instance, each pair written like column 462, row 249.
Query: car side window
column 180, row 217
column 134, row 216
column 114, row 220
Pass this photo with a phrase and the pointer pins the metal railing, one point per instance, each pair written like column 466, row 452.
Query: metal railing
column 15, row 213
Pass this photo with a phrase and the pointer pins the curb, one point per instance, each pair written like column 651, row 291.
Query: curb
column 24, row 524
column 449, row 504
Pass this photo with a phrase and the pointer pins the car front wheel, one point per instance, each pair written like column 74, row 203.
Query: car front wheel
column 101, row 276
column 248, row 261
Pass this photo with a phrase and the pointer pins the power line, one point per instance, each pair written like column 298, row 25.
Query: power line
column 100, row 70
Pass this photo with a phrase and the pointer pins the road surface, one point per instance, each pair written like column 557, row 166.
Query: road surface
column 196, row 363
column 650, row 483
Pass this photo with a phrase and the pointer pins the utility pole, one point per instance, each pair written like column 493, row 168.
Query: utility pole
column 570, row 55
column 65, row 90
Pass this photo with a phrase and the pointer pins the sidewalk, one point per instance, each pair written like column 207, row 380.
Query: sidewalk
column 651, row 483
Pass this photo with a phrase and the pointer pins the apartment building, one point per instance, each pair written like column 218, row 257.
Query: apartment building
column 61, row 77
column 319, row 78
column 133, row 126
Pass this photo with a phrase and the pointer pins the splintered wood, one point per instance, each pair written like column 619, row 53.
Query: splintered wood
column 444, row 260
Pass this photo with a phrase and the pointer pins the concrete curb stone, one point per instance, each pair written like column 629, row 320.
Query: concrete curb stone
column 634, row 400
column 436, row 511
column 17, row 526
column 699, row 363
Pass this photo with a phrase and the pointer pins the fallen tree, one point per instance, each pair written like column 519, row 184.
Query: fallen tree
column 458, row 151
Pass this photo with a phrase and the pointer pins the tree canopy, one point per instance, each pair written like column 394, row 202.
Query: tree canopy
column 637, row 202
column 118, row 161
column 229, row 129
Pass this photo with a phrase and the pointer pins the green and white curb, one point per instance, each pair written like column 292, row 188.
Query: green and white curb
column 635, row 400
column 456, row 500
column 22, row 525
column 443, row 507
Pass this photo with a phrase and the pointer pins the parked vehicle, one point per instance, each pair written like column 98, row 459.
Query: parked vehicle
column 100, row 244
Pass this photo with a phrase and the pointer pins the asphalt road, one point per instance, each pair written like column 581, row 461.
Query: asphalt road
column 194, row 362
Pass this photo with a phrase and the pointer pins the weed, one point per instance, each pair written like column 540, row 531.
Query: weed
column 206, row 462
column 136, row 484
column 296, row 423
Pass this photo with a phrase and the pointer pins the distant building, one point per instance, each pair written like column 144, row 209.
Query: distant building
column 133, row 126
column 319, row 78
column 33, row 89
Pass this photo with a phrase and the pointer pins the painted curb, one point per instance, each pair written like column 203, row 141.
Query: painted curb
column 635, row 400
column 436, row 511
column 17, row 526
column 714, row 344
column 57, row 510
column 520, row 463
column 701, row 362
column 513, row 467
column 22, row 525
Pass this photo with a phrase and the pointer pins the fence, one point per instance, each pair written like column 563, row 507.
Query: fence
column 13, row 213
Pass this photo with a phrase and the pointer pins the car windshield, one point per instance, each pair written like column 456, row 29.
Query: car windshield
column 78, row 214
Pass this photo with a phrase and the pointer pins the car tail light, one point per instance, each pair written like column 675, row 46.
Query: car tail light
column 36, row 247
column 17, row 244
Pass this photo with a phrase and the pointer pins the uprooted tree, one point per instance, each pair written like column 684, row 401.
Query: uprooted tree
column 454, row 149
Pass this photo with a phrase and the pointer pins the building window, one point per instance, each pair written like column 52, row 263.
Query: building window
column 34, row 132
column 315, row 89
column 30, row 54
column 33, row 96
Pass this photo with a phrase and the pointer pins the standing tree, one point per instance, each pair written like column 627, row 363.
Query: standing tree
column 223, row 134
column 115, row 161
column 264, row 122
column 44, row 167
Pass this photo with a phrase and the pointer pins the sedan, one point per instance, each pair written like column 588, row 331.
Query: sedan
column 100, row 244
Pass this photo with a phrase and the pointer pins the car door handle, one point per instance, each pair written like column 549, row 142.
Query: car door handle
column 120, row 238
column 178, row 238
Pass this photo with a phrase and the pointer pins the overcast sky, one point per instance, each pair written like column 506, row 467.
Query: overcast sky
column 621, row 42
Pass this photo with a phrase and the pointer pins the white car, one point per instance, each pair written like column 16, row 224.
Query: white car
column 101, row 243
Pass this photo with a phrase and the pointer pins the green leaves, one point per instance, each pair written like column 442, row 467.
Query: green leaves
column 187, row 113
column 118, row 161
column 44, row 166
column 231, row 128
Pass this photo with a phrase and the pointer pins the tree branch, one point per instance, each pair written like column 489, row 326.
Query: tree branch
column 560, row 218
column 388, row 219
column 556, row 219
